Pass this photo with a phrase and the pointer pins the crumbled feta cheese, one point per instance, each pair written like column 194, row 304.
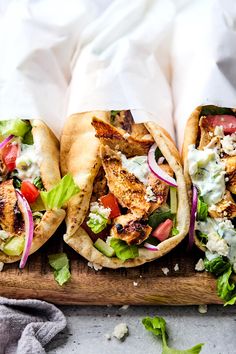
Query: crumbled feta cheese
column 107, row 336
column 120, row 331
column 213, row 207
column 4, row 235
column 199, row 266
column 202, row 309
column 176, row 267
column 210, row 133
column 229, row 144
column 1, row 266
column 126, row 135
column 135, row 283
column 219, row 131
column 165, row 270
column 150, row 195
column 217, row 244
column 124, row 307
column 94, row 266
column 95, row 207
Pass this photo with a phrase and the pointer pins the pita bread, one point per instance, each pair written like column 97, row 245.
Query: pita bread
column 80, row 156
column 48, row 147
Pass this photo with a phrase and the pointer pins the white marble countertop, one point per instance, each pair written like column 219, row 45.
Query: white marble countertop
column 88, row 326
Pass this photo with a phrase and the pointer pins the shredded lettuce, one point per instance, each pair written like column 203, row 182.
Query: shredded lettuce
column 97, row 222
column 217, row 265
column 202, row 209
column 17, row 127
column 60, row 263
column 59, row 195
column 122, row 250
column 157, row 325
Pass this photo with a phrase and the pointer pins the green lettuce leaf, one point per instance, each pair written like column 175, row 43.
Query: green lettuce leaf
column 122, row 250
column 224, row 286
column 174, row 231
column 217, row 265
column 97, row 222
column 60, row 263
column 157, row 325
column 28, row 138
column 38, row 183
column 158, row 154
column 113, row 115
column 17, row 127
column 59, row 195
column 202, row 209
column 213, row 110
column 159, row 216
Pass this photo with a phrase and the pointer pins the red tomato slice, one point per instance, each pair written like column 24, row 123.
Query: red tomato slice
column 29, row 191
column 110, row 201
column 9, row 155
column 163, row 230
column 228, row 122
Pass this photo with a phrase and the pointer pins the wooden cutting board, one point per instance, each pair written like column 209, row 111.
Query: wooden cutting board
column 144, row 285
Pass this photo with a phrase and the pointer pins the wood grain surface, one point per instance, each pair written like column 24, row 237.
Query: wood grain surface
column 144, row 285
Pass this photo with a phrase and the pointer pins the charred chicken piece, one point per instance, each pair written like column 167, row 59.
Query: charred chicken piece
column 131, row 230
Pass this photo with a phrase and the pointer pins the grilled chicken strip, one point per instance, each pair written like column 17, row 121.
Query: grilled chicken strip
column 230, row 168
column 119, row 139
column 159, row 188
column 206, row 133
column 10, row 215
column 225, row 208
column 129, row 191
column 131, row 230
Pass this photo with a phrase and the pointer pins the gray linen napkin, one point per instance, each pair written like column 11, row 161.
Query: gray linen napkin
column 26, row 326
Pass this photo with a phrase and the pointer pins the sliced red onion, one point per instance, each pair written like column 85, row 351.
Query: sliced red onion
column 150, row 247
column 5, row 141
column 29, row 226
column 192, row 218
column 157, row 170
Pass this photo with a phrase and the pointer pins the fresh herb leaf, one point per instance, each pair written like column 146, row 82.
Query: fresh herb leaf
column 202, row 209
column 158, row 216
column 17, row 127
column 158, row 154
column 157, row 325
column 60, row 263
column 213, row 110
column 122, row 250
column 97, row 222
column 38, row 183
column 217, row 265
column 59, row 195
